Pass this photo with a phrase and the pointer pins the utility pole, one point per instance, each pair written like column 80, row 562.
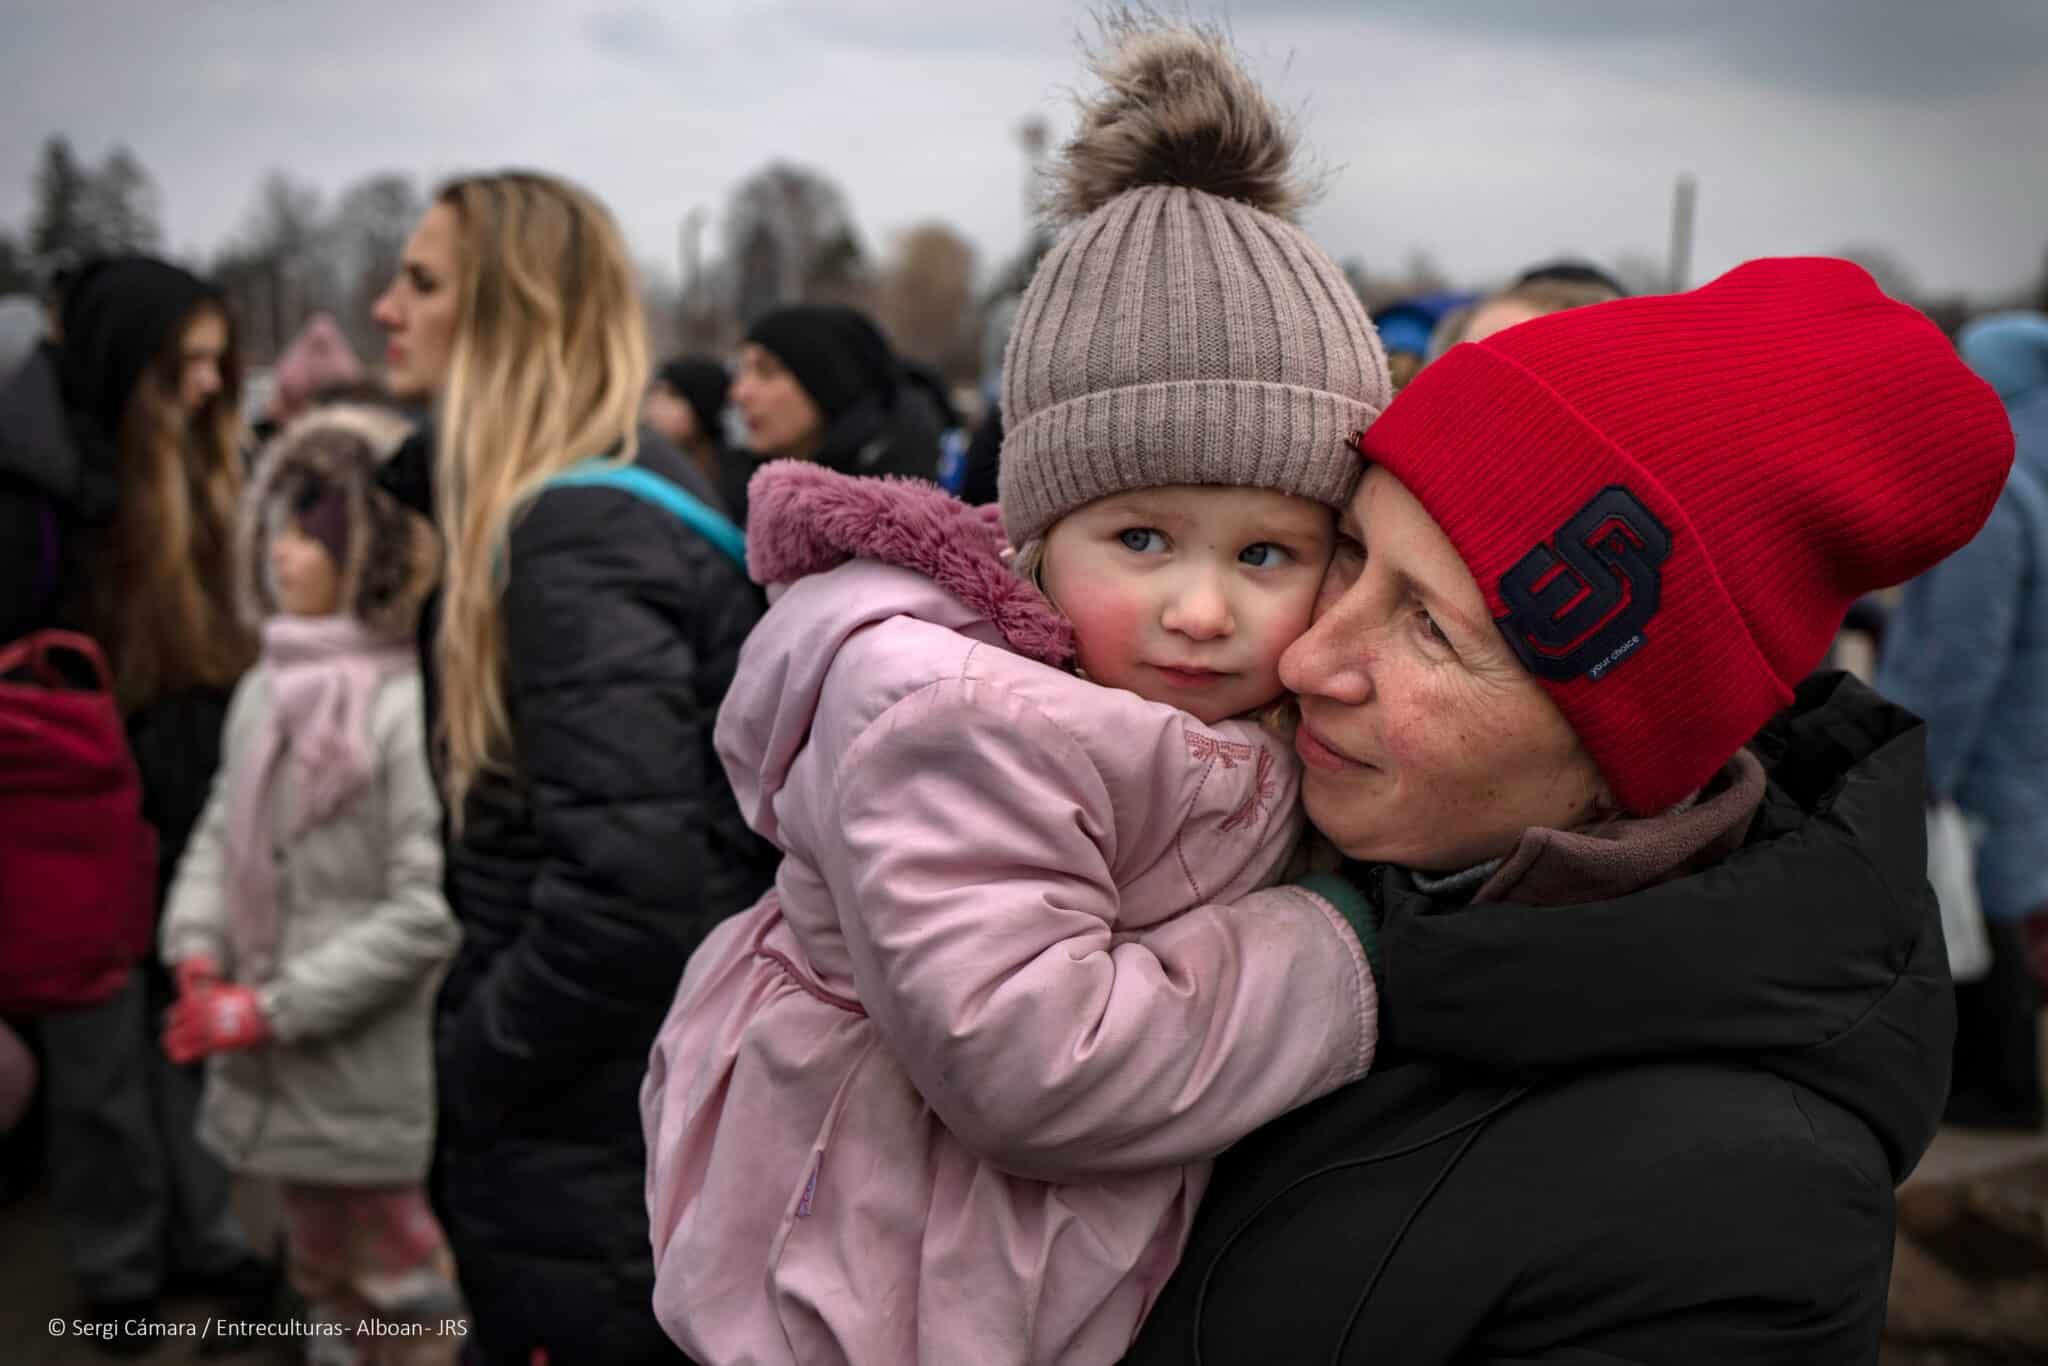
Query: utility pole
column 1033, row 136
column 1684, row 204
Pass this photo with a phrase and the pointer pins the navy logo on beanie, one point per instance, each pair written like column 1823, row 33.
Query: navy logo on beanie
column 1578, row 602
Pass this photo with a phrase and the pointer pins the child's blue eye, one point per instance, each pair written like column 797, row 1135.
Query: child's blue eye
column 1143, row 539
column 1264, row 555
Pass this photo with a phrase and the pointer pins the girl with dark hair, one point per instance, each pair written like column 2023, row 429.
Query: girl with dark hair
column 119, row 470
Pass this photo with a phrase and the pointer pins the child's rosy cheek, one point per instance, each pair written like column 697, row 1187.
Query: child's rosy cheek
column 1108, row 630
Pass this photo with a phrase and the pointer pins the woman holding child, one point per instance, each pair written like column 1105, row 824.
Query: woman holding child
column 1665, row 1011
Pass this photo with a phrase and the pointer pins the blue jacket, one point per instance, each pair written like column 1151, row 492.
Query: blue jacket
column 1968, row 646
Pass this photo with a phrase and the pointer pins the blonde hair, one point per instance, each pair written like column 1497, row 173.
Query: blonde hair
column 548, row 366
column 163, row 609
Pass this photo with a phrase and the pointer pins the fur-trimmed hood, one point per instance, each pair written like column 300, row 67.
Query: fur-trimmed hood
column 805, row 519
column 393, row 554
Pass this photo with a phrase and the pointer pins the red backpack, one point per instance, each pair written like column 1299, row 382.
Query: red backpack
column 77, row 859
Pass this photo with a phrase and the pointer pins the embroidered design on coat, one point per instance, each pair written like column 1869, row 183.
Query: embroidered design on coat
column 1263, row 791
column 1207, row 747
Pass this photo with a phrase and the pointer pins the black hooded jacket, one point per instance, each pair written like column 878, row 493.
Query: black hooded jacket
column 1660, row 1129
column 582, row 883
column 59, row 488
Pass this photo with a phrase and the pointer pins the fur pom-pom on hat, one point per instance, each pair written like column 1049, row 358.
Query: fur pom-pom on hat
column 1176, row 109
column 1185, row 331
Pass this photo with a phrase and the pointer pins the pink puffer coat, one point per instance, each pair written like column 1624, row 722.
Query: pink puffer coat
column 949, row 1092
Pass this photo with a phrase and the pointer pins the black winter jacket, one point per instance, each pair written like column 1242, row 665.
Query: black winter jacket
column 582, row 884
column 1661, row 1129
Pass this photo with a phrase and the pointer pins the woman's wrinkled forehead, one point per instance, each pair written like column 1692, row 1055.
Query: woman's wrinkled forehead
column 1389, row 522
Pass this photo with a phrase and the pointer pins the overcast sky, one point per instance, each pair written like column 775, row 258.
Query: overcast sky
column 1490, row 132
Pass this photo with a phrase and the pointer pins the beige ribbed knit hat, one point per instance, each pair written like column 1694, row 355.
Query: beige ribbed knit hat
column 1186, row 331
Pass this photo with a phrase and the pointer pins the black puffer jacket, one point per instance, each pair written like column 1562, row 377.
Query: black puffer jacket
column 582, row 885
column 1661, row 1129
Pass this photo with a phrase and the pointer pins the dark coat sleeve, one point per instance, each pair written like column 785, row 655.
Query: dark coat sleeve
column 24, row 606
column 1663, row 1215
column 621, row 633
column 1699, row 1215
column 176, row 742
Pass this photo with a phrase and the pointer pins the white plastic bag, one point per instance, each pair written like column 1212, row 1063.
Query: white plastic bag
column 1952, row 869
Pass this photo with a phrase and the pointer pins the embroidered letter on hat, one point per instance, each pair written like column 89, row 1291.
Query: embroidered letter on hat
column 1577, row 604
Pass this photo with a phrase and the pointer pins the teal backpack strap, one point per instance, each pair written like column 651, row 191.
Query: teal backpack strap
column 650, row 487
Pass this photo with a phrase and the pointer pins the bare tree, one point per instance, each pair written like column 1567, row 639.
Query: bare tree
column 122, row 201
column 83, row 212
column 926, row 300
column 791, row 238
column 279, row 272
column 366, row 240
column 61, row 229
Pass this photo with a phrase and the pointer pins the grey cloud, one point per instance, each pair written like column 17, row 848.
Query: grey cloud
column 633, row 33
column 1897, row 48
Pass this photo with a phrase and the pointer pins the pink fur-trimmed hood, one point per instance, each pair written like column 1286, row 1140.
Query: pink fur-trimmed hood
column 804, row 519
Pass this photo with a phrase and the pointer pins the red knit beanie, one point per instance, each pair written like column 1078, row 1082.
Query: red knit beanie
column 1671, row 502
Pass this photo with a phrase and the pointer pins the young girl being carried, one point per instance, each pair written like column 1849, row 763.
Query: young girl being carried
column 306, row 927
column 949, row 1092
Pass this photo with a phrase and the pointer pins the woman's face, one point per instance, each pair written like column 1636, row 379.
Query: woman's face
column 782, row 421
column 202, row 361
column 418, row 308
column 1424, row 741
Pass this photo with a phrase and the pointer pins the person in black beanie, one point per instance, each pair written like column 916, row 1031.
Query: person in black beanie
column 819, row 382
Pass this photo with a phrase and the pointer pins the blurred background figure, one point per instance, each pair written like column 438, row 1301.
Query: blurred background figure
column 1967, row 648
column 120, row 466
column 307, row 927
column 1407, row 327
column 575, row 657
column 1551, row 287
column 318, row 361
column 21, row 329
column 926, row 387
column 686, row 405
column 819, row 382
column 981, row 465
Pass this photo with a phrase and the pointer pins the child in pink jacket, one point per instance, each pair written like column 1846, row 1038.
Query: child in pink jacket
column 949, row 1093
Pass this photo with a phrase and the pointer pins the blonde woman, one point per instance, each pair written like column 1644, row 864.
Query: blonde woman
column 119, row 471
column 576, row 657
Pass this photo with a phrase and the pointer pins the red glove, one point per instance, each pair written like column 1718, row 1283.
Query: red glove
column 215, row 1019
column 195, row 974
